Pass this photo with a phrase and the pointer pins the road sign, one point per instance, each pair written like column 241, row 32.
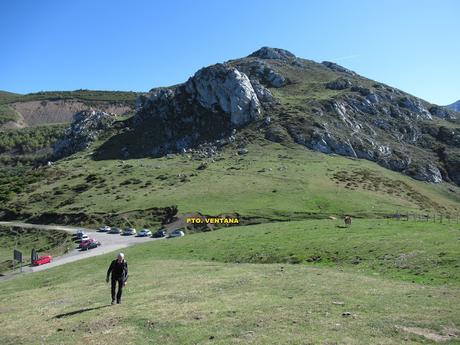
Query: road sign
column 17, row 255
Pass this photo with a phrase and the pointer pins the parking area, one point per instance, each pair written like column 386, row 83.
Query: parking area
column 109, row 243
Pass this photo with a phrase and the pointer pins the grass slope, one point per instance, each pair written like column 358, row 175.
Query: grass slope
column 83, row 95
column 52, row 242
column 8, row 97
column 421, row 252
column 189, row 301
column 272, row 181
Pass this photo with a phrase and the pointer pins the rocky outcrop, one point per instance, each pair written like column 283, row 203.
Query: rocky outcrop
column 337, row 68
column 223, row 88
column 414, row 106
column 382, row 125
column 273, row 53
column 263, row 94
column 207, row 108
column 84, row 130
column 428, row 173
column 264, row 73
column 339, row 84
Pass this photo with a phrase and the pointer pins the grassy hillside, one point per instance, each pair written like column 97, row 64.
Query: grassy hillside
column 7, row 114
column 272, row 181
column 7, row 97
column 29, row 140
column 83, row 95
column 423, row 252
column 298, row 276
column 52, row 242
column 173, row 297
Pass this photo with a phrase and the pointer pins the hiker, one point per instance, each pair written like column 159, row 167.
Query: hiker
column 119, row 270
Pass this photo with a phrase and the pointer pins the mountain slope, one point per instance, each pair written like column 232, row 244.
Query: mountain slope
column 324, row 107
column 17, row 111
column 270, row 182
column 241, row 137
column 454, row 106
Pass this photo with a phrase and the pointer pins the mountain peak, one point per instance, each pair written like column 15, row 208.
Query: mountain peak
column 272, row 53
column 454, row 106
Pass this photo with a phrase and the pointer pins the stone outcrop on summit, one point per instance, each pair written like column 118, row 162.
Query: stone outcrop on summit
column 272, row 53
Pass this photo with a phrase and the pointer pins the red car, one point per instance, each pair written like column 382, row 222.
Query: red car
column 84, row 243
column 90, row 244
column 45, row 259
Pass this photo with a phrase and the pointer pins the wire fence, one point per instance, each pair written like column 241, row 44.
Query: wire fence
column 428, row 217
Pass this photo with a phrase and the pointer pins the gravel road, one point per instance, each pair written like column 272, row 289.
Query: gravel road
column 109, row 243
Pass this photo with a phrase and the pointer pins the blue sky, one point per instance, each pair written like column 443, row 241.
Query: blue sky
column 137, row 45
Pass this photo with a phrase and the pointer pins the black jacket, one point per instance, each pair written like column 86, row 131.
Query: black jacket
column 119, row 270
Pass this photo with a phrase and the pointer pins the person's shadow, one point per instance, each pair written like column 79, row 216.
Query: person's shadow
column 79, row 311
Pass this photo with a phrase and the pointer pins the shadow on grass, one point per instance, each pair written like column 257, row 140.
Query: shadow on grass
column 79, row 311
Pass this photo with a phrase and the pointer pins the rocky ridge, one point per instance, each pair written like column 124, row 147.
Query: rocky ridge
column 336, row 111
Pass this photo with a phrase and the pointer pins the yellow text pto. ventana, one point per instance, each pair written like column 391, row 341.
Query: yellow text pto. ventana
column 213, row 220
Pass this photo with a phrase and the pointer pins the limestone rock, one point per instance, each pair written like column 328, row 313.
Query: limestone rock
column 224, row 88
column 339, row 84
column 273, row 53
column 429, row 173
column 264, row 73
column 84, row 130
column 335, row 67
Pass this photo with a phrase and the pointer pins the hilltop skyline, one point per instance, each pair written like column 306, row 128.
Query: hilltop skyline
column 141, row 45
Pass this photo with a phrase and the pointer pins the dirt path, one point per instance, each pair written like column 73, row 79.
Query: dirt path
column 109, row 243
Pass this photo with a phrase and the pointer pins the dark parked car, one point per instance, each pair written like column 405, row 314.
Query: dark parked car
column 159, row 233
column 114, row 231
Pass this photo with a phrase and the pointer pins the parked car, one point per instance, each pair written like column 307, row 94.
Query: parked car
column 115, row 231
column 159, row 233
column 79, row 234
column 90, row 244
column 104, row 228
column 83, row 237
column 176, row 233
column 84, row 243
column 44, row 259
column 145, row 233
column 129, row 231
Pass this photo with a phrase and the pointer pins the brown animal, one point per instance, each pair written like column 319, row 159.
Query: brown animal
column 347, row 220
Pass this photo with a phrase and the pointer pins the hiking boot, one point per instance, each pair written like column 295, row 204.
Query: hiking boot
column 113, row 302
column 118, row 302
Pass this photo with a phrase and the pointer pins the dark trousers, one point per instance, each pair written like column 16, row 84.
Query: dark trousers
column 120, row 289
